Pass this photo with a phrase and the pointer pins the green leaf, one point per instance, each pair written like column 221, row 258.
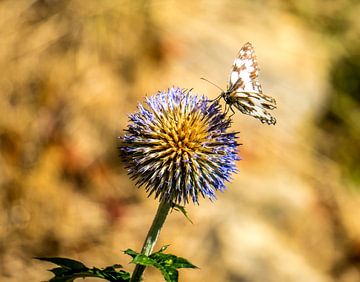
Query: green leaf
column 131, row 253
column 143, row 260
column 170, row 274
column 166, row 263
column 111, row 274
column 172, row 260
column 71, row 277
column 180, row 262
column 58, row 271
column 163, row 248
column 182, row 210
column 64, row 262
column 70, row 270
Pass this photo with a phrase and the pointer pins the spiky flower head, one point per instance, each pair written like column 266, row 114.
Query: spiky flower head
column 178, row 147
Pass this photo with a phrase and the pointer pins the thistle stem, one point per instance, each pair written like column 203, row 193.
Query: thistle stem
column 151, row 238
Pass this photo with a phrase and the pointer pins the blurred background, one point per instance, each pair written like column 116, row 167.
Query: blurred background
column 71, row 72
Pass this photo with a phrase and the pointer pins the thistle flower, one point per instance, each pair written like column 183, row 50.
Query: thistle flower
column 178, row 147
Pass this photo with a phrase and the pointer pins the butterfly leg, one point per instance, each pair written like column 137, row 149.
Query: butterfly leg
column 233, row 113
column 216, row 99
column 227, row 108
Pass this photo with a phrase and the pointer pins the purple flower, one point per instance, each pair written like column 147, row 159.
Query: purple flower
column 178, row 147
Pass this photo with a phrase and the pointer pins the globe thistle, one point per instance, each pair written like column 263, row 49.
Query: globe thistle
column 178, row 147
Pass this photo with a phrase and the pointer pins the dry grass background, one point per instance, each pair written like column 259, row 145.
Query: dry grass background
column 72, row 70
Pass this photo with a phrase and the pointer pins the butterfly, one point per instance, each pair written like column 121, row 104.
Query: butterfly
column 244, row 90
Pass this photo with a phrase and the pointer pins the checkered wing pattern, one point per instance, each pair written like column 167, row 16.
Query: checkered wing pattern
column 244, row 90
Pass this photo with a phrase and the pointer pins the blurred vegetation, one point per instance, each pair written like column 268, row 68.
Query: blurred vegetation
column 341, row 120
column 329, row 17
column 337, row 21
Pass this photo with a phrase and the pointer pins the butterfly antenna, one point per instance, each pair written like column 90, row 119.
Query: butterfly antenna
column 212, row 83
column 222, row 90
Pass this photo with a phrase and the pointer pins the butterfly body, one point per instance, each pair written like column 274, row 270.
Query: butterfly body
column 244, row 91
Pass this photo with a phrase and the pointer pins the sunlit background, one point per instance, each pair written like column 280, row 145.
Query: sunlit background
column 71, row 72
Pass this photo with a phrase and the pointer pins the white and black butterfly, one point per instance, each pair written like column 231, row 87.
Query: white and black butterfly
column 244, row 90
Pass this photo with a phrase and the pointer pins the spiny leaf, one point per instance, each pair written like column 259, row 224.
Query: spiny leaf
column 172, row 260
column 182, row 210
column 70, row 270
column 163, row 248
column 131, row 253
column 166, row 263
column 170, row 274
column 71, row 277
column 64, row 262
column 143, row 260
column 58, row 271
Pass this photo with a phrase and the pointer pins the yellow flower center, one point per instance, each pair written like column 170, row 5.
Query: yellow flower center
column 184, row 132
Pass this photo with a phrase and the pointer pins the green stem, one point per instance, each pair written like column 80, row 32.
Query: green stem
column 151, row 238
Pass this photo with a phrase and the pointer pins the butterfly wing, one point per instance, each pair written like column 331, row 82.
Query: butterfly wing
column 245, row 91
